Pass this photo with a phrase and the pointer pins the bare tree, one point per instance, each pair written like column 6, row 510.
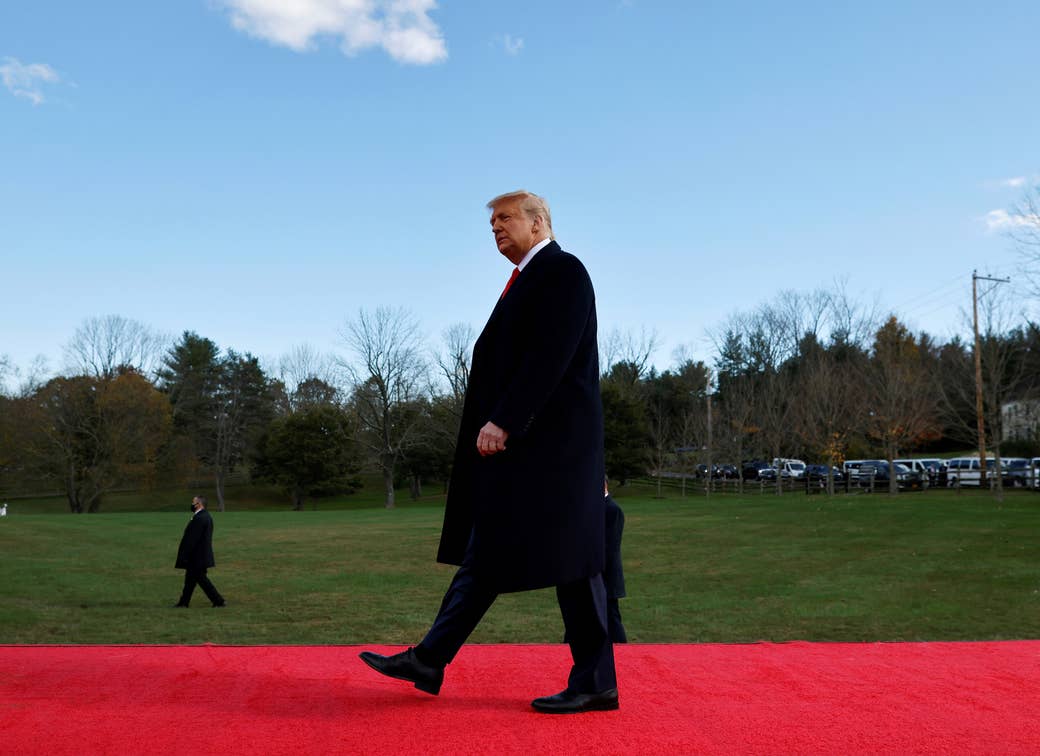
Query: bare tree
column 307, row 377
column 432, row 449
column 691, row 430
column 830, row 406
column 302, row 363
column 800, row 315
column 38, row 373
column 636, row 349
column 764, row 358
column 775, row 411
column 390, row 375
column 454, row 362
column 661, row 424
column 737, row 425
column 690, row 400
column 852, row 324
column 768, row 341
column 6, row 370
column 23, row 383
column 102, row 346
column 774, row 332
column 1023, row 224
column 1004, row 370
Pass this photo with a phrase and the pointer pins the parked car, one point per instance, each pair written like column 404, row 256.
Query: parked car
column 770, row 473
column 1019, row 471
column 819, row 473
column 717, row 471
column 878, row 472
column 928, row 468
column 727, row 471
column 751, row 468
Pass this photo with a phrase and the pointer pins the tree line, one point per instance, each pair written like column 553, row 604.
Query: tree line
column 812, row 375
column 819, row 378
column 131, row 411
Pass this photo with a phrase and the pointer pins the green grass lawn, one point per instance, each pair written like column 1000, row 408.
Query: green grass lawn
column 927, row 566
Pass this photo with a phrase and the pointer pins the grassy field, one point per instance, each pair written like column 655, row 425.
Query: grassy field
column 928, row 566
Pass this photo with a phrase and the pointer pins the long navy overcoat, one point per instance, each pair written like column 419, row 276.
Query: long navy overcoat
column 535, row 510
column 195, row 551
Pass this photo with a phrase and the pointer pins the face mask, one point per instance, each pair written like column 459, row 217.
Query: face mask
column 192, row 506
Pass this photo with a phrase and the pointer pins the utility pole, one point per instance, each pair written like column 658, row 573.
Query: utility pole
column 707, row 392
column 979, row 419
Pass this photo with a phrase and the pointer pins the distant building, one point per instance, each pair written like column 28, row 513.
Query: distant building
column 1021, row 420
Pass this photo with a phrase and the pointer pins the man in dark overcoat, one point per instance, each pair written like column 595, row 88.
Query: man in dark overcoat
column 525, row 506
column 195, row 555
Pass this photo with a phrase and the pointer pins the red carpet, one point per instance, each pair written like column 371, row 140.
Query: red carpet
column 796, row 698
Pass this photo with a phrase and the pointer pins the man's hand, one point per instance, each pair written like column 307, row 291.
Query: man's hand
column 491, row 440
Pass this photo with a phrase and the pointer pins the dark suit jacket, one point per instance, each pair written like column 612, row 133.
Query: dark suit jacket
column 535, row 510
column 196, row 549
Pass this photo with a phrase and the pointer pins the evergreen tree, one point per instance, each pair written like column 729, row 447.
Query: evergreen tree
column 311, row 452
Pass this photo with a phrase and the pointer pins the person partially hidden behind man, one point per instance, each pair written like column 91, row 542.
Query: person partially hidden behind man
column 525, row 508
column 613, row 572
column 195, row 555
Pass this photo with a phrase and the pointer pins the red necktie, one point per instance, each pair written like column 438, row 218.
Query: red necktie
column 516, row 272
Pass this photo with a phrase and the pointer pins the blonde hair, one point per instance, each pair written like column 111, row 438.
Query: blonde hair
column 531, row 205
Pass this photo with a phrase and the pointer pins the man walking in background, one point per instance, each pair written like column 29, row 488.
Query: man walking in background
column 525, row 505
column 195, row 555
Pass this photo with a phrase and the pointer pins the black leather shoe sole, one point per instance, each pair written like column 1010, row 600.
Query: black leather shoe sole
column 576, row 703
column 378, row 663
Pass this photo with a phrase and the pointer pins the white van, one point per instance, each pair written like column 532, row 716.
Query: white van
column 789, row 468
column 964, row 471
column 1036, row 472
column 851, row 468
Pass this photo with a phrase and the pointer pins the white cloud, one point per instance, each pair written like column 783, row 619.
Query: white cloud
column 512, row 45
column 403, row 28
column 26, row 79
column 1001, row 220
column 1015, row 182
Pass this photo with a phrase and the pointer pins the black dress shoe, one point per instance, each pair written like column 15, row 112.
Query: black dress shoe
column 406, row 666
column 179, row 605
column 570, row 702
column 218, row 606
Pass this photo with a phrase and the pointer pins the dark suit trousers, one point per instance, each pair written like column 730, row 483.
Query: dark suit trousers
column 583, row 605
column 198, row 577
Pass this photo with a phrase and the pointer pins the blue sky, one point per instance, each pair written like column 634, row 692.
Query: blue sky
column 258, row 170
